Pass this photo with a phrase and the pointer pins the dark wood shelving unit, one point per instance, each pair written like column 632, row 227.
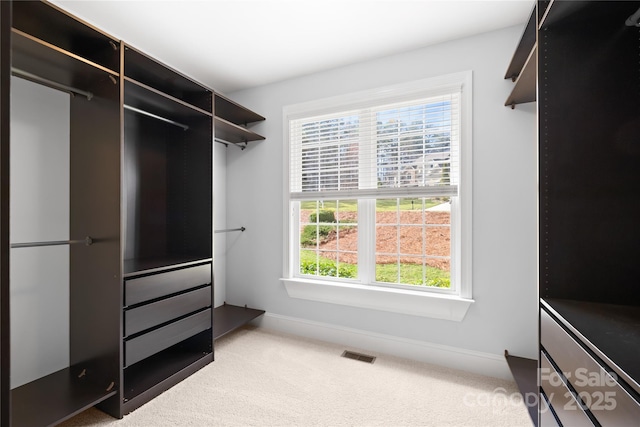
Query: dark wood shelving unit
column 141, row 316
column 227, row 318
column 588, row 222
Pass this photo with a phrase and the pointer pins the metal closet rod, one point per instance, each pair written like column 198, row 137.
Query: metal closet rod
column 227, row 143
column 155, row 116
column 87, row 241
column 33, row 77
column 230, row 229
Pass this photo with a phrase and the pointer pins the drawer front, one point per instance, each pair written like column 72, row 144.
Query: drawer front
column 599, row 390
column 150, row 315
column 545, row 416
column 158, row 285
column 151, row 343
column 568, row 410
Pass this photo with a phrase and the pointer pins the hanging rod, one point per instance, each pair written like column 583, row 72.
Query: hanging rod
column 230, row 229
column 227, row 143
column 146, row 113
column 87, row 241
column 26, row 75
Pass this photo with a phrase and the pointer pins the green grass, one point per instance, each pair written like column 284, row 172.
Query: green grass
column 381, row 205
column 410, row 274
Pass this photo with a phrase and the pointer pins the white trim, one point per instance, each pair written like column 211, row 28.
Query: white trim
column 477, row 362
column 416, row 303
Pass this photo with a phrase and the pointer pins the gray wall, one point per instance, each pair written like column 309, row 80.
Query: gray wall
column 39, row 212
column 504, row 200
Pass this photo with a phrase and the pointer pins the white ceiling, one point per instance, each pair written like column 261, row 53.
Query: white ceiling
column 231, row 45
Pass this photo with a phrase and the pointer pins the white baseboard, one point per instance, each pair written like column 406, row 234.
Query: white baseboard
column 453, row 357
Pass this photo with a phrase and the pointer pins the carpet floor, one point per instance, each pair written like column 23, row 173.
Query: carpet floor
column 264, row 378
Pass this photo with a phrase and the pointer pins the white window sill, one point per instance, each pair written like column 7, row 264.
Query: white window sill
column 437, row 306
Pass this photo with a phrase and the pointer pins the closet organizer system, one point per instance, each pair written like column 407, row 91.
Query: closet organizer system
column 140, row 312
column 581, row 57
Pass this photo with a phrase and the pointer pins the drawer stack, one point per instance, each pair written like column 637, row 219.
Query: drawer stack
column 164, row 309
column 578, row 387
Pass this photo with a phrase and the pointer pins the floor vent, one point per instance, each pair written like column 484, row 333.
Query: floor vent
column 358, row 356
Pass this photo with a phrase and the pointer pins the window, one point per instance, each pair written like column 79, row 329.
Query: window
column 378, row 191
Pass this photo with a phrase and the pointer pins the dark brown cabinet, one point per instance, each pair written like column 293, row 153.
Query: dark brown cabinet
column 140, row 244
column 588, row 98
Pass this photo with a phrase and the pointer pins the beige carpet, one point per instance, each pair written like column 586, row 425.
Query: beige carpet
column 263, row 378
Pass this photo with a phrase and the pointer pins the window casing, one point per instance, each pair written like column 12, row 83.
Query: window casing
column 390, row 167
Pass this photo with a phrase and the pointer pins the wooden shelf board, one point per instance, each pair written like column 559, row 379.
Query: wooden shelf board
column 521, row 54
column 150, row 72
column 233, row 112
column 52, row 63
column 525, row 373
column 54, row 398
column 153, row 101
column 227, row 318
column 525, row 87
column 66, row 32
column 234, row 134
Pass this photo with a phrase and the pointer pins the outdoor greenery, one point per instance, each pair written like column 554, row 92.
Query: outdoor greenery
column 321, row 266
column 410, row 274
column 311, row 233
column 319, row 229
column 322, row 216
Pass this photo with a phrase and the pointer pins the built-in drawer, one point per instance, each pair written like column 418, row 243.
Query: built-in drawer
column 600, row 391
column 545, row 415
column 157, row 340
column 158, row 285
column 150, row 315
column 567, row 408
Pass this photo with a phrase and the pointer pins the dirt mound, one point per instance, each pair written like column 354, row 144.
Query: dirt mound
column 411, row 236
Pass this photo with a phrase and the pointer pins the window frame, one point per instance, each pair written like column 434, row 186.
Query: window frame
column 430, row 302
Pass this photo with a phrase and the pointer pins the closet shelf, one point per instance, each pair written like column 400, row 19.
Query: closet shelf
column 146, row 98
column 234, row 134
column 149, row 72
column 34, row 56
column 232, row 121
column 525, row 86
column 524, row 48
column 152, row 376
column 525, row 372
column 234, row 112
column 54, row 398
column 227, row 318
column 66, row 33
column 522, row 69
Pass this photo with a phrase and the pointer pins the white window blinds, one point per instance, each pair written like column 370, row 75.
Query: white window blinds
column 397, row 149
